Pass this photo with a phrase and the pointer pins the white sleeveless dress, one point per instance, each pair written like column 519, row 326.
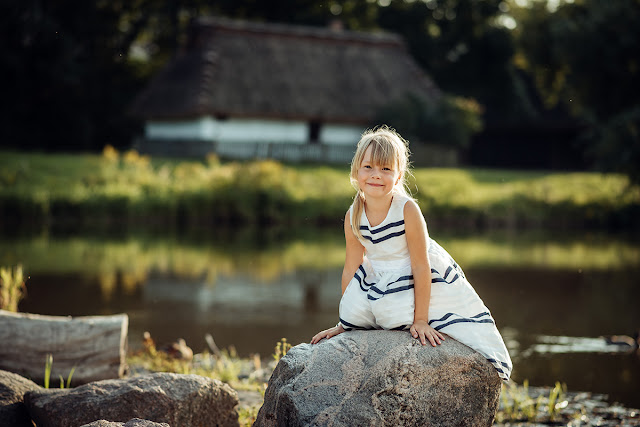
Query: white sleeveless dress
column 381, row 294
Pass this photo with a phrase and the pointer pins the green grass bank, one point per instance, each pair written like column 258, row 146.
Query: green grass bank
column 115, row 189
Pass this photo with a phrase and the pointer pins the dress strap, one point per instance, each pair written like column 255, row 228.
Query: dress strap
column 399, row 200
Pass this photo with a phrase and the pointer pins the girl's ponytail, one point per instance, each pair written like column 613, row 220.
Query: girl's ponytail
column 356, row 214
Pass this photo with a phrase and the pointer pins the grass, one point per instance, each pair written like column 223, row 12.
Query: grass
column 517, row 405
column 115, row 188
column 282, row 347
column 224, row 365
column 527, row 198
column 12, row 287
column 247, row 374
column 48, row 366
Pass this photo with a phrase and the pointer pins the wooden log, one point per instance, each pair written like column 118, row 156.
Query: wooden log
column 94, row 345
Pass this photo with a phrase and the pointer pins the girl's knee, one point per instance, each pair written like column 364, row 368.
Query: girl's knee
column 398, row 316
column 396, row 324
column 357, row 319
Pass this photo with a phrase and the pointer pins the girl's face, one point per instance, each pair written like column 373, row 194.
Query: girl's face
column 376, row 181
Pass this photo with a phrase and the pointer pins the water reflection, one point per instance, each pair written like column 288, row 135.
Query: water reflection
column 549, row 344
column 552, row 296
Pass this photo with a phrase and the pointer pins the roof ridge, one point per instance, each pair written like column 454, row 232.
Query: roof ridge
column 294, row 30
column 210, row 58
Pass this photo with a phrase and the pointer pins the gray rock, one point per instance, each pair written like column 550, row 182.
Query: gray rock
column 178, row 400
column 135, row 422
column 381, row 378
column 13, row 412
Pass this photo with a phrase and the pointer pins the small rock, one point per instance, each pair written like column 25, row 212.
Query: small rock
column 381, row 378
column 178, row 400
column 13, row 412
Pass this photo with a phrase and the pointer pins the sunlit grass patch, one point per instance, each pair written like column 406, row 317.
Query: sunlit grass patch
column 132, row 188
column 48, row 366
column 12, row 287
column 241, row 373
column 519, row 405
column 248, row 374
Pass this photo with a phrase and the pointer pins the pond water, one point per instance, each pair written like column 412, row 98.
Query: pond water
column 553, row 296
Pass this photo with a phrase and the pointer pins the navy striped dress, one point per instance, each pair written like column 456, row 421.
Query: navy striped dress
column 381, row 295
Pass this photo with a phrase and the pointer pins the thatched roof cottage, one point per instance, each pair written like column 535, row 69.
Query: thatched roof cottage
column 245, row 89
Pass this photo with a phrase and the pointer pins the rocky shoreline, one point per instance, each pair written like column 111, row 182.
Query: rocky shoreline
column 581, row 409
column 572, row 408
column 575, row 409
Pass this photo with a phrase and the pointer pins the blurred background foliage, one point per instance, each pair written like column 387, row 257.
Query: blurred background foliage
column 70, row 68
column 450, row 121
column 124, row 190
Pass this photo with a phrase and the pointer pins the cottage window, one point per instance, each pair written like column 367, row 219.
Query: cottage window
column 314, row 132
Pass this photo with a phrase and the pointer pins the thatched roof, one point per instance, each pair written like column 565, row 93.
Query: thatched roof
column 241, row 69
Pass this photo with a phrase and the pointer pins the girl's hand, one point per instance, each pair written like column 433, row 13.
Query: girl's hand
column 421, row 331
column 327, row 333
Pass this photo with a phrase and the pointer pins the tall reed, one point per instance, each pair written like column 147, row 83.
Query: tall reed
column 48, row 367
column 12, row 287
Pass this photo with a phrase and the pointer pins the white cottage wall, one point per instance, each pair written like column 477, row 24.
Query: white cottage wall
column 341, row 134
column 230, row 131
column 196, row 129
column 255, row 130
column 250, row 130
column 251, row 138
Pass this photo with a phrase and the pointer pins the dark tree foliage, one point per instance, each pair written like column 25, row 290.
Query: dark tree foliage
column 65, row 80
column 586, row 55
column 464, row 50
column 449, row 121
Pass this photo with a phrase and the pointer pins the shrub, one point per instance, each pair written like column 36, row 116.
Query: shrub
column 450, row 120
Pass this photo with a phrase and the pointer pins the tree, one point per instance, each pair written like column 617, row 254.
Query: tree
column 466, row 51
column 66, row 78
column 586, row 55
column 449, row 120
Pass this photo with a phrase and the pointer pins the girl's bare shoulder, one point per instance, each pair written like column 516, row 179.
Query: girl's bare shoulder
column 413, row 218
column 347, row 216
column 411, row 208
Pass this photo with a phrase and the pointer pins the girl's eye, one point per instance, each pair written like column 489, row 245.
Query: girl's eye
column 367, row 167
column 386, row 169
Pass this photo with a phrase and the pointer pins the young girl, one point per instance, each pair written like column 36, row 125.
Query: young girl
column 395, row 276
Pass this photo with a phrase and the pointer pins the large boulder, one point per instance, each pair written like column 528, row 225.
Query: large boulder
column 178, row 400
column 13, row 387
column 381, row 378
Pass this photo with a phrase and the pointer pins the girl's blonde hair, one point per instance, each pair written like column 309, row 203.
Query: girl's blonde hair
column 387, row 148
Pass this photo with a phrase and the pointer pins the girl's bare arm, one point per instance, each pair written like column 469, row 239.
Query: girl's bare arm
column 353, row 259
column 416, row 233
column 354, row 253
